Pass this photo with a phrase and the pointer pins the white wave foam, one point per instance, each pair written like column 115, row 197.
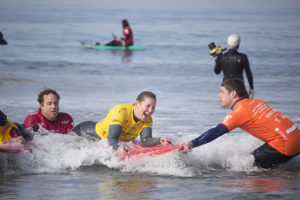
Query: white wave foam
column 56, row 153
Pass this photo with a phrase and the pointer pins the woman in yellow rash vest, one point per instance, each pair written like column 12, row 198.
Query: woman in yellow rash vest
column 125, row 122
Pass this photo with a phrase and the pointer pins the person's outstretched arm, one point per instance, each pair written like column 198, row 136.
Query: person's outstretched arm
column 147, row 139
column 206, row 137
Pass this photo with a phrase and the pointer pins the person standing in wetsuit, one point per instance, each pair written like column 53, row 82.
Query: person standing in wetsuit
column 125, row 122
column 127, row 40
column 233, row 63
column 280, row 134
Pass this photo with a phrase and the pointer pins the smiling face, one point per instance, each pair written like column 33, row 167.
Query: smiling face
column 50, row 106
column 145, row 108
column 226, row 98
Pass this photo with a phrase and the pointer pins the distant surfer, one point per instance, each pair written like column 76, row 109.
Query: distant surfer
column 126, row 41
column 125, row 122
column 281, row 135
column 233, row 63
column 9, row 131
column 48, row 116
column 2, row 41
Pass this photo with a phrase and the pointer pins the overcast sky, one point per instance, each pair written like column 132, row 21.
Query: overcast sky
column 169, row 4
column 199, row 4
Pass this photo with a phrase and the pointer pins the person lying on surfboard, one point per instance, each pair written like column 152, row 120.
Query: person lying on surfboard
column 126, row 41
column 9, row 131
column 125, row 122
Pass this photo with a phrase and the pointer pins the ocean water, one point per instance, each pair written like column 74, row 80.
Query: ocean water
column 176, row 66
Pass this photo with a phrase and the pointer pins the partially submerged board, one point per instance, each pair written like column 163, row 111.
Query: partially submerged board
column 14, row 148
column 138, row 150
column 103, row 47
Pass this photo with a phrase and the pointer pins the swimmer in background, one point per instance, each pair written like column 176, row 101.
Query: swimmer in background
column 280, row 134
column 125, row 122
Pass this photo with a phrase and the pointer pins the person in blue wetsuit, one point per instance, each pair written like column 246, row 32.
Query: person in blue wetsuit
column 233, row 63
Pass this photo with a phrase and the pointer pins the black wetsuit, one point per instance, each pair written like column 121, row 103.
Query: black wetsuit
column 3, row 42
column 114, row 43
column 86, row 129
column 233, row 63
column 28, row 136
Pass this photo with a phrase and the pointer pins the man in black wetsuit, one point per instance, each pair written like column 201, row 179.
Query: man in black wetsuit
column 233, row 63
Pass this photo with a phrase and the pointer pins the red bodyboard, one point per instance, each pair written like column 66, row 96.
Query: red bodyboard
column 14, row 148
column 139, row 150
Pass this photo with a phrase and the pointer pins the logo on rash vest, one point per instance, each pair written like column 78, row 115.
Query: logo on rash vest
column 64, row 122
column 228, row 117
column 34, row 113
column 238, row 108
column 281, row 133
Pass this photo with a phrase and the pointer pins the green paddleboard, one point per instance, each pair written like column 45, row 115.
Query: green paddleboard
column 132, row 47
column 100, row 47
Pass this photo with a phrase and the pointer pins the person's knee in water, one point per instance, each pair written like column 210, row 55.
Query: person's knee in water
column 86, row 129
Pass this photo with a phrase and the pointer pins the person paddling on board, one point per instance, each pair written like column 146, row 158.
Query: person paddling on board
column 233, row 63
column 125, row 122
column 9, row 131
column 127, row 40
column 280, row 134
column 48, row 116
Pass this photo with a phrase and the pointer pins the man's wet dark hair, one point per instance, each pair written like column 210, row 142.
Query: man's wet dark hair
column 237, row 85
column 46, row 92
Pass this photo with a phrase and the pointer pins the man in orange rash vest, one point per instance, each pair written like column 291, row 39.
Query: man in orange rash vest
column 280, row 134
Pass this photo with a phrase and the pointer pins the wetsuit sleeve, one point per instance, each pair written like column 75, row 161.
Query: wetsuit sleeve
column 210, row 135
column 147, row 139
column 248, row 73
column 30, row 120
column 217, row 68
column 114, row 133
column 70, row 124
column 25, row 133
